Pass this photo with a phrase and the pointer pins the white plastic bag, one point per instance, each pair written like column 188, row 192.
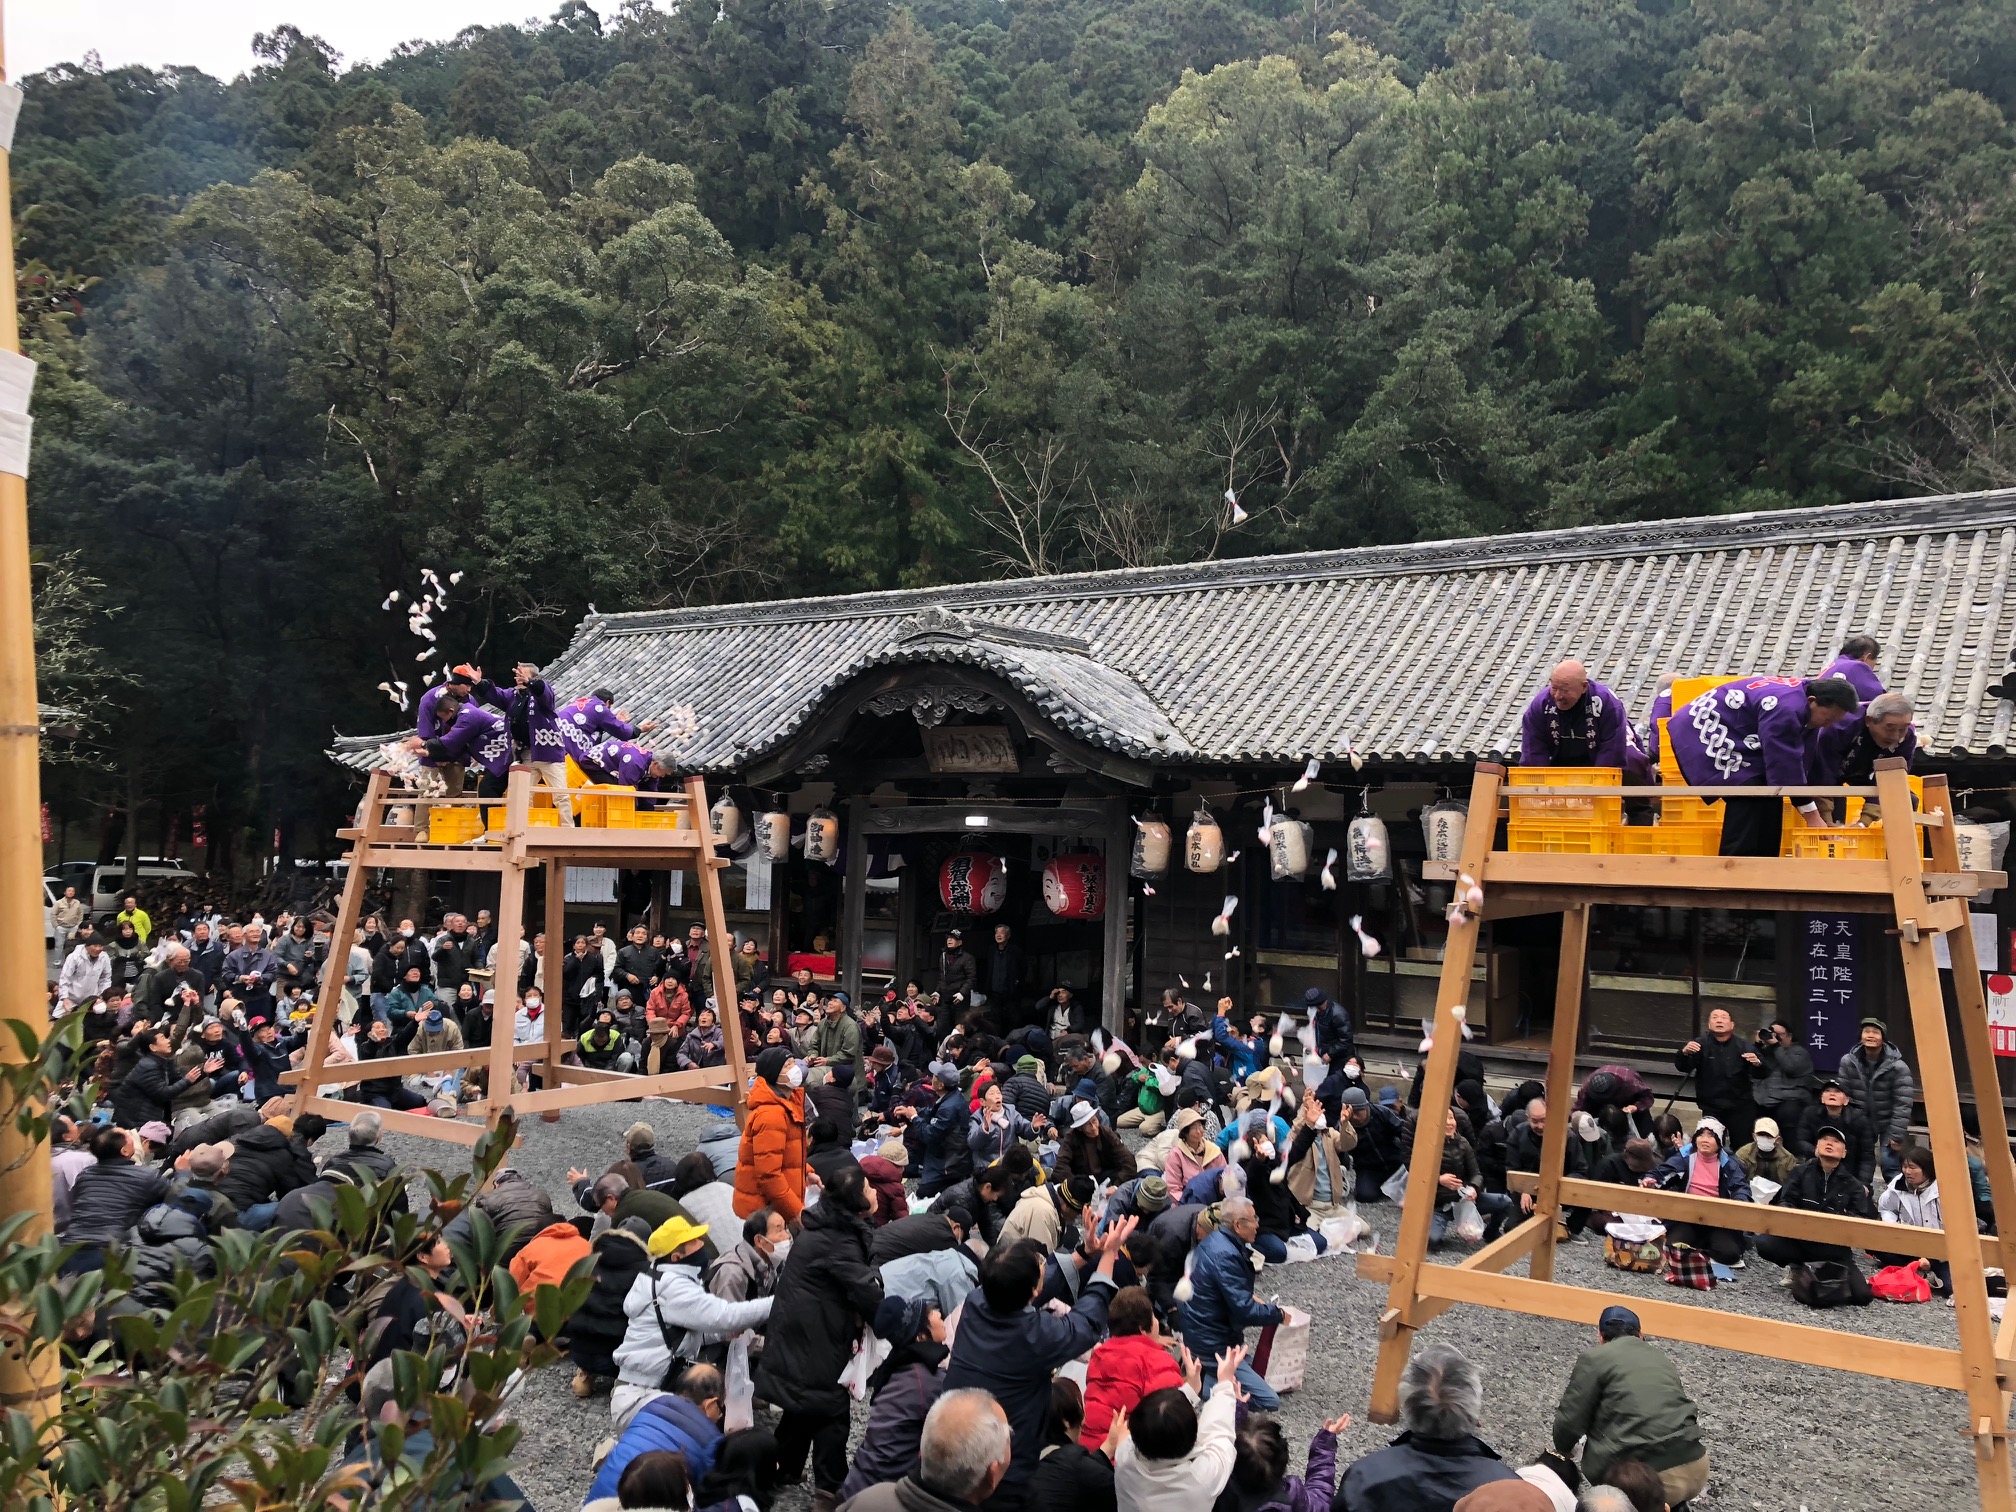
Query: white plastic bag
column 739, row 1404
column 1301, row 1248
column 1466, row 1222
column 1632, row 1229
column 1762, row 1190
column 1343, row 1231
column 869, row 1352
column 1395, row 1186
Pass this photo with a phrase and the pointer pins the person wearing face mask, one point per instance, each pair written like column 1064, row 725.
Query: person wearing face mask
column 749, row 1270
column 1766, row 1154
column 672, row 1318
column 770, row 1165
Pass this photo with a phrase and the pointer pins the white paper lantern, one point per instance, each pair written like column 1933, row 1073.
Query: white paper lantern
column 1288, row 846
column 1368, row 854
column 773, row 834
column 973, row 882
column 1151, row 848
column 1204, row 845
column 822, row 837
column 1074, row 886
column 725, row 819
column 1442, row 826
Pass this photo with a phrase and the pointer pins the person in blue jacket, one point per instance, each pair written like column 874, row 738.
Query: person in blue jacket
column 1247, row 1052
column 1219, row 1305
column 686, row 1420
column 1705, row 1169
column 942, row 1137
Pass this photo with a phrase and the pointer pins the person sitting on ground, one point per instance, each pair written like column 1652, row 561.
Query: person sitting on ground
column 1011, row 1348
column 1176, row 1457
column 1912, row 1200
column 963, row 1458
column 108, row 1197
column 547, row 1259
column 1072, row 1477
column 1385, row 1137
column 1766, row 1156
column 921, row 1234
column 1836, row 1112
column 202, row 1170
column 1026, row 1091
column 1193, row 1153
column 671, row 1315
column 1048, row 1214
column 655, row 1481
column 1625, row 1398
column 1438, row 1459
column 685, row 1421
column 1132, row 1361
column 1218, row 1304
column 1707, row 1170
column 1643, row 1488
column 1281, row 1215
column 363, row 1159
column 1260, row 1478
column 902, row 1389
column 1090, row 1148
column 1823, row 1184
column 599, row 1323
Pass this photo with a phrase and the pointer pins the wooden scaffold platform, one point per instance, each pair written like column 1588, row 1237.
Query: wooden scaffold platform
column 1926, row 900
column 679, row 839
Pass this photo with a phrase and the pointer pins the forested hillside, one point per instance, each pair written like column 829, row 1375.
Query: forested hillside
column 764, row 297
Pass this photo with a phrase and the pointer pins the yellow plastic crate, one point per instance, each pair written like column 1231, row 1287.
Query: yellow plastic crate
column 1857, row 843
column 1687, row 689
column 494, row 816
column 601, row 807
column 652, row 819
column 1667, row 838
column 1536, row 809
column 453, row 826
column 1566, row 837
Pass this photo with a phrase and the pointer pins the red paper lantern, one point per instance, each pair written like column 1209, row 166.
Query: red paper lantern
column 1074, row 886
column 973, row 882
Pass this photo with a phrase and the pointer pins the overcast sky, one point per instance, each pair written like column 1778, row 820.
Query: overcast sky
column 216, row 35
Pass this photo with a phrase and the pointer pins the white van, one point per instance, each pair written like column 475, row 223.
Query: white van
column 108, row 883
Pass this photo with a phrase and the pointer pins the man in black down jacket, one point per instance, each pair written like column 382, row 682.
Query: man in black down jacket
column 828, row 1292
column 267, row 1162
column 598, row 1324
column 365, row 1161
column 986, row 1196
column 1440, row 1459
column 108, row 1198
column 1721, row 1066
column 920, row 1234
column 149, row 1090
column 1823, row 1184
column 1836, row 1112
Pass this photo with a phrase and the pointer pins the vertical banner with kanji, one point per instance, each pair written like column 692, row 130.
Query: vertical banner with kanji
column 1829, row 958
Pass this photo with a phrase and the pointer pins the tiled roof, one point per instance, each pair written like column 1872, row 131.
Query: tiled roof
column 1401, row 652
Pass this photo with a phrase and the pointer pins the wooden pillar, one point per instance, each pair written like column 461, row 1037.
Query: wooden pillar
column 1560, row 1084
column 510, row 933
column 661, row 902
column 854, row 900
column 1396, row 1330
column 728, row 1012
column 1113, row 954
column 1987, row 1414
column 329, row 1001
column 557, row 951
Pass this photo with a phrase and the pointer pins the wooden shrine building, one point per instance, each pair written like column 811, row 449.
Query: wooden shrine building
column 1037, row 718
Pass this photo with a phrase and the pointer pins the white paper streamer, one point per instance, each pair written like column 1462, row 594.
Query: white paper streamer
column 10, row 112
column 16, row 430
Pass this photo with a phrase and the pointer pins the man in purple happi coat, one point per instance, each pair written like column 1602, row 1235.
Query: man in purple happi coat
column 535, row 729
column 430, row 723
column 1752, row 732
column 1573, row 722
column 621, row 762
column 474, row 737
column 597, row 714
column 1856, row 666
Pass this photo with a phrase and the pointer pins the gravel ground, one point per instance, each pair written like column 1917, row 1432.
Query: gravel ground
column 1780, row 1436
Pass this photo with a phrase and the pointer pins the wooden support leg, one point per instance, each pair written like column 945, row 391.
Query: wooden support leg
column 1425, row 1167
column 510, row 934
column 715, row 915
column 1560, row 1085
column 1987, row 1421
column 329, row 1002
column 557, row 948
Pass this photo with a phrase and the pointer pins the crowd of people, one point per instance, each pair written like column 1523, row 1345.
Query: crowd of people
column 1037, row 1231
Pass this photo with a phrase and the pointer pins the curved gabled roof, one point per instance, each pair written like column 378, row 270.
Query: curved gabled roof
column 1401, row 652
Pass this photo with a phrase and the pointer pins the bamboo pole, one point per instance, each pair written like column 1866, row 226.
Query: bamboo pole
column 28, row 1382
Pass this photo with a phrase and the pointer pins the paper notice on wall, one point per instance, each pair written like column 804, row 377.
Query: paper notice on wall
column 2002, row 1013
column 758, row 896
column 591, row 884
column 1983, row 927
column 675, row 895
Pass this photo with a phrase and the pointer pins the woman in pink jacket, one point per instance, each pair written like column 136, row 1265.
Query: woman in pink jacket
column 1190, row 1156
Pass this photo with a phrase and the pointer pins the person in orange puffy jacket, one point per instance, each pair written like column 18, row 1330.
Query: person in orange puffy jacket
column 547, row 1257
column 770, row 1166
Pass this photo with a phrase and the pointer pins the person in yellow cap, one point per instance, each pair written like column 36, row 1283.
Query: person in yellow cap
column 672, row 1317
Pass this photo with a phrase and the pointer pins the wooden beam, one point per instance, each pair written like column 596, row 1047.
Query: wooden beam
column 1410, row 1248
column 1513, row 792
column 455, row 1130
column 1731, row 875
column 1113, row 933
column 1002, row 819
column 1800, row 1343
column 1560, row 1083
column 1501, row 1254
column 714, row 914
column 558, row 947
column 336, row 968
column 1758, row 1218
column 854, row 900
column 392, row 1065
column 1987, row 1416
column 587, row 1094
column 1518, row 900
column 510, row 932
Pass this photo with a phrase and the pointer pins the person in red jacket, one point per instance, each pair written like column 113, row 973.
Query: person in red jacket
column 770, row 1164
column 1133, row 1361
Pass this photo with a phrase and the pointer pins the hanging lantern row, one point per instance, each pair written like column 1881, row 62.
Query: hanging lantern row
column 974, row 883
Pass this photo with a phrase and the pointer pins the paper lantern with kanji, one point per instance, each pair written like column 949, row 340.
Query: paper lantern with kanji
column 973, row 882
column 1074, row 886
